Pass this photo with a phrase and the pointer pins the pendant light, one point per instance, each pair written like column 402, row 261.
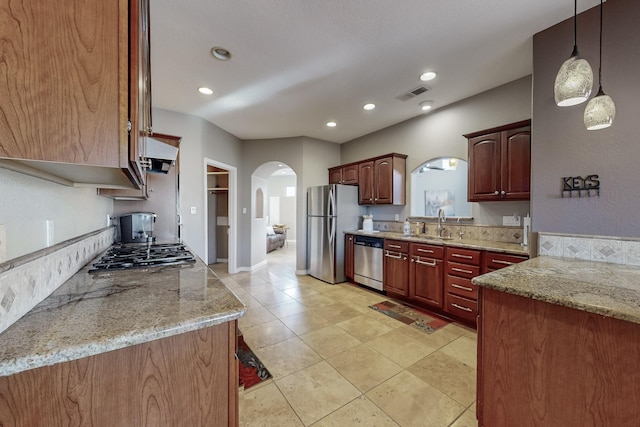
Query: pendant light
column 601, row 110
column 574, row 80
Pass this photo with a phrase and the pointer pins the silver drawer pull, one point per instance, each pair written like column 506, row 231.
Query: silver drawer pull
column 461, row 287
column 459, row 270
column 461, row 307
column 430, row 264
column 428, row 251
column 462, row 256
column 394, row 246
column 388, row 254
column 499, row 261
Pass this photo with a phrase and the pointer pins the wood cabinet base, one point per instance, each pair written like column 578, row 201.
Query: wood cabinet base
column 189, row 380
column 541, row 364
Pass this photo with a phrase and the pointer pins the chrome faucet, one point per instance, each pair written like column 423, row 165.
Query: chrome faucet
column 441, row 220
column 460, row 232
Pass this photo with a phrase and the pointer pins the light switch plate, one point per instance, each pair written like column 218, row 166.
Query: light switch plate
column 3, row 243
column 397, row 217
column 511, row 220
column 193, row 210
column 49, row 231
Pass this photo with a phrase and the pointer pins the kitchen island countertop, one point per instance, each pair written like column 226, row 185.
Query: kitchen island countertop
column 611, row 290
column 95, row 313
column 489, row 245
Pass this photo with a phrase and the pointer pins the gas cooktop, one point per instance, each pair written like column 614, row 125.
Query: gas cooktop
column 128, row 256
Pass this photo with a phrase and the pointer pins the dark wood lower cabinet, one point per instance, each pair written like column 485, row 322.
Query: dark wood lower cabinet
column 396, row 267
column 189, row 379
column 348, row 256
column 425, row 274
column 542, row 364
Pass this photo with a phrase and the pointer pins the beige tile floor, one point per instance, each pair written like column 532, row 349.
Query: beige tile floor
column 336, row 362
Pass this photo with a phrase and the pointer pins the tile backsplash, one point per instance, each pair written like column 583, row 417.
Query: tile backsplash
column 616, row 250
column 26, row 281
column 471, row 232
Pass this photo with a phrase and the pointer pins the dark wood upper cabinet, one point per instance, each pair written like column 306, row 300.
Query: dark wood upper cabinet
column 500, row 163
column 72, row 89
column 345, row 174
column 382, row 180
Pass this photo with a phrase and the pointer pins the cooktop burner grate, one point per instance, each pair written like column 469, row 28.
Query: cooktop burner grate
column 139, row 256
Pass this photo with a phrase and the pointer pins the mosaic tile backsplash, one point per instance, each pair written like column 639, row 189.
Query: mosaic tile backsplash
column 23, row 285
column 616, row 250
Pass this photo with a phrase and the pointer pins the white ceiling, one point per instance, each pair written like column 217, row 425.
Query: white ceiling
column 297, row 64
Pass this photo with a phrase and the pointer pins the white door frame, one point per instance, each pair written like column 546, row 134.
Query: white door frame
column 233, row 197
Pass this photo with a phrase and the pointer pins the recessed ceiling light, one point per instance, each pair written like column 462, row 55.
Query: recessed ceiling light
column 369, row 106
column 220, row 53
column 332, row 124
column 429, row 75
column 280, row 165
column 205, row 90
column 426, row 105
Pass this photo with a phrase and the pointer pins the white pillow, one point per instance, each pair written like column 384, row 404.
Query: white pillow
column 270, row 231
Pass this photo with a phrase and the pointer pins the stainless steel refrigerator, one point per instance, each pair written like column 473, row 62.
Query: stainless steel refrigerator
column 331, row 210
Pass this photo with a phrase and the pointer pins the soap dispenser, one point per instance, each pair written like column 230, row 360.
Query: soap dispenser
column 406, row 228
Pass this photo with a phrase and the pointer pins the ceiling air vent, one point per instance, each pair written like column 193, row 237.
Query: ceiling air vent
column 412, row 93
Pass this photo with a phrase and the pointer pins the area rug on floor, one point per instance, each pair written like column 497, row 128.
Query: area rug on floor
column 428, row 323
column 251, row 369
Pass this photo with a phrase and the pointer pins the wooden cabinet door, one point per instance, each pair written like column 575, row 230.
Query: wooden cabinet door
column 365, row 183
column 348, row 256
column 383, row 181
column 396, row 267
column 60, row 82
column 426, row 280
column 335, row 175
column 516, row 164
column 484, row 167
column 350, row 174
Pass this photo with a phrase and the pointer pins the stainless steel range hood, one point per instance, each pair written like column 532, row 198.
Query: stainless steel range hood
column 160, row 156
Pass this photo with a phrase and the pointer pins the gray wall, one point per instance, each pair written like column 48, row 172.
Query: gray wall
column 27, row 202
column 563, row 147
column 439, row 134
column 200, row 140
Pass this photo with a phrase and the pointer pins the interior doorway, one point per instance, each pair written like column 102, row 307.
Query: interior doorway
column 220, row 213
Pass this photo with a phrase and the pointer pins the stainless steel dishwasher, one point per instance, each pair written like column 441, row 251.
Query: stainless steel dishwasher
column 368, row 261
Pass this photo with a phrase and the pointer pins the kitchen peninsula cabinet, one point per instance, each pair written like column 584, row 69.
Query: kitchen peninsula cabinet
column 396, row 267
column 500, row 163
column 186, row 379
column 426, row 274
column 345, row 174
column 382, row 180
column 78, row 82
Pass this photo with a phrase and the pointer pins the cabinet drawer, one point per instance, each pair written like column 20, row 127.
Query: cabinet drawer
column 464, row 256
column 463, row 270
column 396, row 245
column 427, row 251
column 496, row 260
column 461, row 286
column 463, row 308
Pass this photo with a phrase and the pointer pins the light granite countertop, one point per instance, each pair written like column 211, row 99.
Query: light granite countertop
column 611, row 290
column 95, row 313
column 510, row 248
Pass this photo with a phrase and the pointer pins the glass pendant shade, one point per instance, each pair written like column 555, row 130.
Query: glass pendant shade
column 574, row 82
column 600, row 112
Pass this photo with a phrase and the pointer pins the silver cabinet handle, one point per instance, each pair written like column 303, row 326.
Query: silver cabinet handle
column 428, row 251
column 462, row 256
column 394, row 246
column 503, row 192
column 430, row 264
column 459, row 270
column 461, row 287
column 388, row 254
column 499, row 261
column 496, row 192
column 461, row 307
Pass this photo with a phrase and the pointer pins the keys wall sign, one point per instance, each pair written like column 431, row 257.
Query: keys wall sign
column 588, row 186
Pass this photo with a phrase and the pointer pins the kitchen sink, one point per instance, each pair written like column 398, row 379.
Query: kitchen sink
column 421, row 236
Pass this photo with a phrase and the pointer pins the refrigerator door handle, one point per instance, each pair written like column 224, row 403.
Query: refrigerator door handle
column 331, row 203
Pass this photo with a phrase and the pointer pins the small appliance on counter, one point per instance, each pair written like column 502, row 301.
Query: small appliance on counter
column 137, row 227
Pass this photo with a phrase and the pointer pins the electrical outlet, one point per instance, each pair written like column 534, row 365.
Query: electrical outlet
column 511, row 220
column 193, row 210
column 3, row 243
column 396, row 217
